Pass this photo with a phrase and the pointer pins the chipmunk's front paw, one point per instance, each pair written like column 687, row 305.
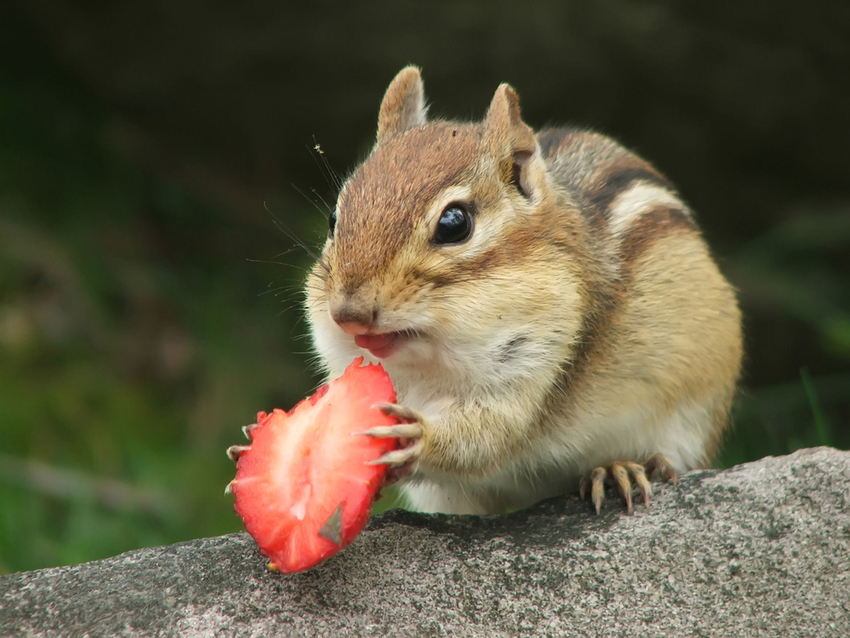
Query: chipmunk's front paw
column 402, row 461
column 623, row 474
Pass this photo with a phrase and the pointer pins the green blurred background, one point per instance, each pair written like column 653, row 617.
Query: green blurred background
column 151, row 151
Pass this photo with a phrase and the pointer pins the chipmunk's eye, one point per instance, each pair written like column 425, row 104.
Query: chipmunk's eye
column 455, row 225
column 332, row 223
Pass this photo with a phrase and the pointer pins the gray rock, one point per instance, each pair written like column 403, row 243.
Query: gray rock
column 762, row 549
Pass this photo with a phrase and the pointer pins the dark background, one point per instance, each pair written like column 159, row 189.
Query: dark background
column 150, row 152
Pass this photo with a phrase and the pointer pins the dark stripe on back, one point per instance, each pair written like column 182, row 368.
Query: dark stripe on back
column 619, row 180
column 551, row 140
column 651, row 226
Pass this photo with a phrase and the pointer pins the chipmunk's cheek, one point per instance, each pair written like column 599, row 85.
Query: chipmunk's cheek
column 380, row 345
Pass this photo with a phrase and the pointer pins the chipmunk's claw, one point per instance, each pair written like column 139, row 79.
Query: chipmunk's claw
column 400, row 431
column 409, row 432
column 597, row 488
column 405, row 414
column 624, row 475
column 401, row 456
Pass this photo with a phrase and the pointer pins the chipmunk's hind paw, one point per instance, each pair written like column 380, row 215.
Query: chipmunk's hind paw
column 660, row 465
column 626, row 475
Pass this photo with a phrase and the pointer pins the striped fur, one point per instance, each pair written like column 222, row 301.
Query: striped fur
column 583, row 322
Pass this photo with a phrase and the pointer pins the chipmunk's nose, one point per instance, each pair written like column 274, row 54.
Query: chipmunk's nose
column 353, row 317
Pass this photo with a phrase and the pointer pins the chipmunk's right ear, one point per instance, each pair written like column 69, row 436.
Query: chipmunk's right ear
column 511, row 140
column 404, row 104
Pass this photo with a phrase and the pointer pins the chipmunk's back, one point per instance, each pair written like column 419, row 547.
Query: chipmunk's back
column 612, row 185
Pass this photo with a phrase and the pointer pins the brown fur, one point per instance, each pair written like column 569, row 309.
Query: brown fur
column 382, row 201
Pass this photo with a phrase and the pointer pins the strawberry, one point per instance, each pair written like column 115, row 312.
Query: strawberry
column 304, row 487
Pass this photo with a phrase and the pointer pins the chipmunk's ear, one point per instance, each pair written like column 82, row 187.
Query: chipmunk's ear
column 511, row 140
column 404, row 104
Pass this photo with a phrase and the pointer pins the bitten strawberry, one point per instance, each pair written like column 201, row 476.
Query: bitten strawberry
column 305, row 485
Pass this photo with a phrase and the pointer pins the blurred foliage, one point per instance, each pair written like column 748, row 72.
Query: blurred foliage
column 142, row 321
column 136, row 337
column 797, row 270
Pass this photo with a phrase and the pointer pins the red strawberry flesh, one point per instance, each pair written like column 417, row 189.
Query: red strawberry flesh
column 303, row 489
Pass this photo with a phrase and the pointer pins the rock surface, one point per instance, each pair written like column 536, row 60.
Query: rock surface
column 762, row 549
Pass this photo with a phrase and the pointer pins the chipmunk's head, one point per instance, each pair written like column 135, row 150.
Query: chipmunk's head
column 442, row 243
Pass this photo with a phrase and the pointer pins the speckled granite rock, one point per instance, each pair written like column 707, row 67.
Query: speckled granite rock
column 762, row 549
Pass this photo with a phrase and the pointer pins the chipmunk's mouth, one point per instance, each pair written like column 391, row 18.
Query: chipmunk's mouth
column 382, row 345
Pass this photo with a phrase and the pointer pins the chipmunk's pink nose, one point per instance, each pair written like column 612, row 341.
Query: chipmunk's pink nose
column 355, row 319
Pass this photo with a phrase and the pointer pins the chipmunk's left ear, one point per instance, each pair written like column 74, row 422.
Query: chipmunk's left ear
column 404, row 104
column 511, row 140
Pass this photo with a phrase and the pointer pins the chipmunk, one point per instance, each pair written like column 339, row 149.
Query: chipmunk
column 543, row 302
